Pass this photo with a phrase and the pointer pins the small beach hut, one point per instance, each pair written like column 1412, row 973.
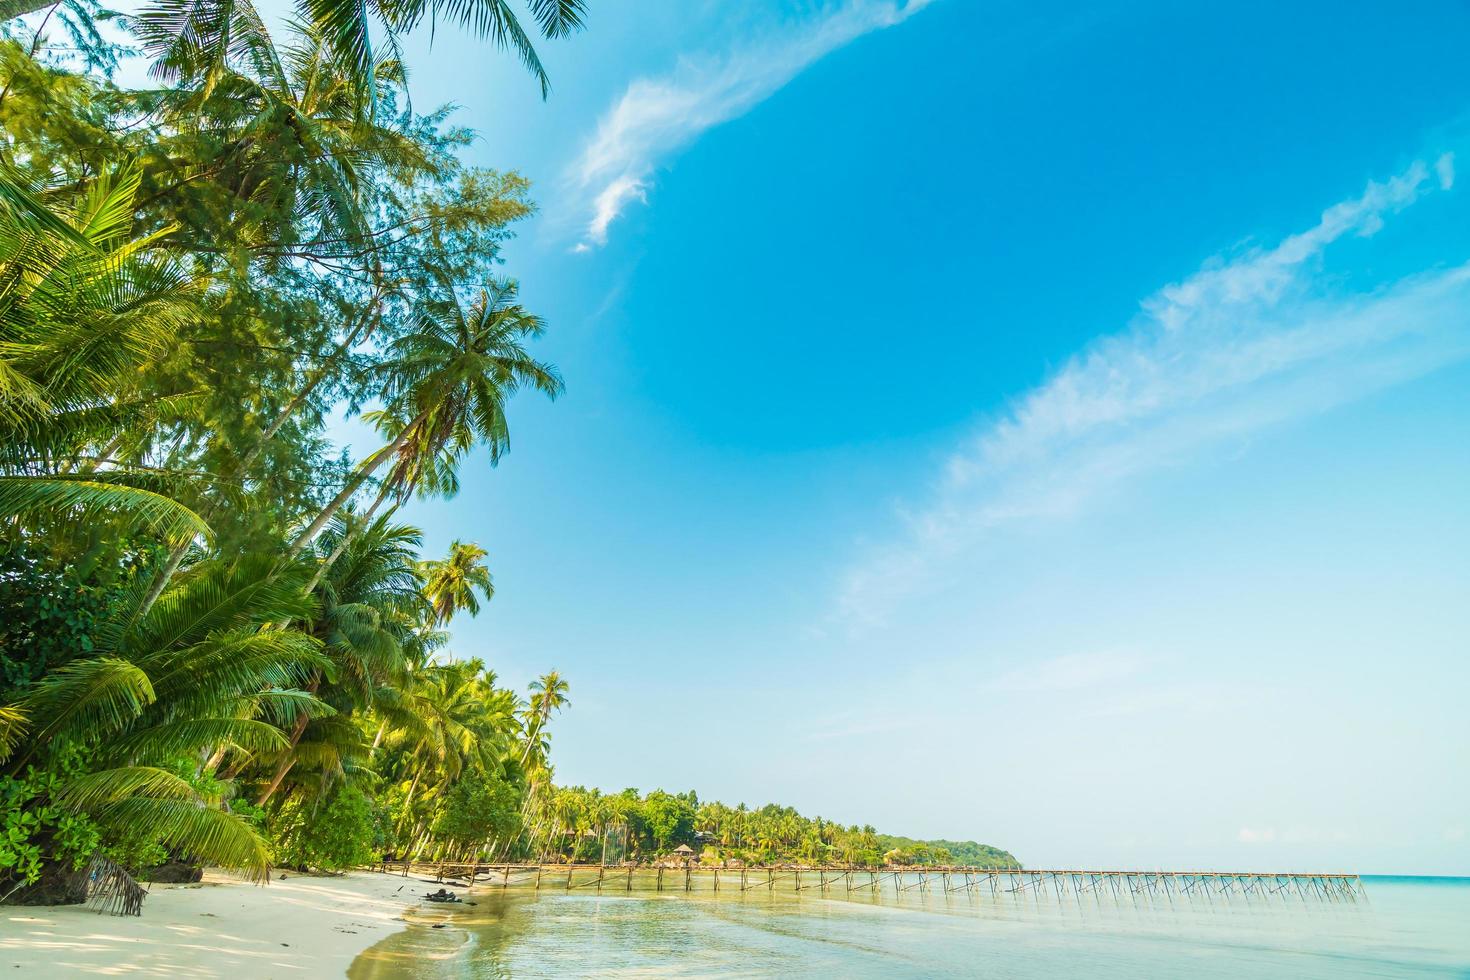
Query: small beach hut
column 683, row 852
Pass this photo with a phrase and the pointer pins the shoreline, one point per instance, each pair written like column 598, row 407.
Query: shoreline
column 297, row 926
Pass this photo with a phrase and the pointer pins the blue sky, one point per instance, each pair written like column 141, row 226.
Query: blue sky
column 1010, row 421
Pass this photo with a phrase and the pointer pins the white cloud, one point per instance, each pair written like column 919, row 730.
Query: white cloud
column 656, row 117
column 1241, row 345
column 610, row 203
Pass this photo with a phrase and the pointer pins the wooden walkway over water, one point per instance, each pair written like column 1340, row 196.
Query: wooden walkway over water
column 1037, row 884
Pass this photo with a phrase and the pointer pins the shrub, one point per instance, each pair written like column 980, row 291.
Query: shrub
column 480, row 806
column 333, row 836
column 40, row 838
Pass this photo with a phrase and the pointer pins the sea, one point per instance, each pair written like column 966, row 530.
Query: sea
column 1400, row 927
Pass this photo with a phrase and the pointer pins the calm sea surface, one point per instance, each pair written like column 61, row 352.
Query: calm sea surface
column 1408, row 927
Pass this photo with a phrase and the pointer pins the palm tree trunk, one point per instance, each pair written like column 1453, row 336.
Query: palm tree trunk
column 408, row 798
column 103, row 454
column 331, row 559
column 356, row 481
column 216, row 759
column 316, row 378
column 297, row 731
column 534, row 732
column 162, row 576
column 275, row 784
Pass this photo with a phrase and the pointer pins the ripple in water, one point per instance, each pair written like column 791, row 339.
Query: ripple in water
column 1408, row 927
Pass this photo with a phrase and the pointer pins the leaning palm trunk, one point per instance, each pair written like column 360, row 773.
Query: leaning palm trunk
column 347, row 537
column 354, row 484
column 408, row 798
column 285, row 766
column 162, row 577
column 297, row 730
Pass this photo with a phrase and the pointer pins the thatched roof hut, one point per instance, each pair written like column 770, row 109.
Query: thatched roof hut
column 683, row 850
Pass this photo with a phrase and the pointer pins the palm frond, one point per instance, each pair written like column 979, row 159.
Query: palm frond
column 86, row 699
column 284, row 707
column 558, row 18
column 107, row 786
column 87, row 497
column 13, row 725
column 222, row 596
column 30, row 214
column 231, row 663
column 209, row 835
column 186, row 736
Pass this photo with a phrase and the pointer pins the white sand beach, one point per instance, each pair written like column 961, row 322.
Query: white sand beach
column 297, row 926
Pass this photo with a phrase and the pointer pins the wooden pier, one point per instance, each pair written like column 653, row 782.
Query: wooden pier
column 1013, row 883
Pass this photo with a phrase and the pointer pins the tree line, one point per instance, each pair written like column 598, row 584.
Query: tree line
column 219, row 641
column 576, row 824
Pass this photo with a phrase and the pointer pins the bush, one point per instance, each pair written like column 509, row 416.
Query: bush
column 480, row 806
column 334, row 836
column 42, row 841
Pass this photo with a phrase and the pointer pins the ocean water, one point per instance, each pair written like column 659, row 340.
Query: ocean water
column 1406, row 927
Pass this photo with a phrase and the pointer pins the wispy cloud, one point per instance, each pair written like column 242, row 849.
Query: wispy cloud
column 1119, row 683
column 1071, row 672
column 656, row 117
column 1241, row 345
column 1293, row 835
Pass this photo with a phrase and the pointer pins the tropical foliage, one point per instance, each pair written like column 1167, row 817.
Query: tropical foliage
column 219, row 642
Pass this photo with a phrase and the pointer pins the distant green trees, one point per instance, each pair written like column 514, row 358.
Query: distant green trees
column 578, row 824
column 663, row 821
column 967, row 853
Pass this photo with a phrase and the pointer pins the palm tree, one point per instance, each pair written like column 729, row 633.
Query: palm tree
column 466, row 724
column 196, row 671
column 548, row 695
column 446, row 384
column 368, row 604
column 281, row 148
column 450, row 584
column 84, row 307
column 208, row 30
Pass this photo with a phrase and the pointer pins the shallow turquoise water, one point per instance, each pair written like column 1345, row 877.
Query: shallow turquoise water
column 1407, row 927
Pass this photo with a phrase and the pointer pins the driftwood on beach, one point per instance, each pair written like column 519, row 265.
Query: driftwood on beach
column 110, row 889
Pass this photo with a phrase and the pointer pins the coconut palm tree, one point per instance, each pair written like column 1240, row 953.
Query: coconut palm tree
column 368, row 602
column 281, row 148
column 450, row 585
column 84, row 306
column 196, row 671
column 446, row 384
column 467, row 724
column 209, row 30
column 548, row 696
